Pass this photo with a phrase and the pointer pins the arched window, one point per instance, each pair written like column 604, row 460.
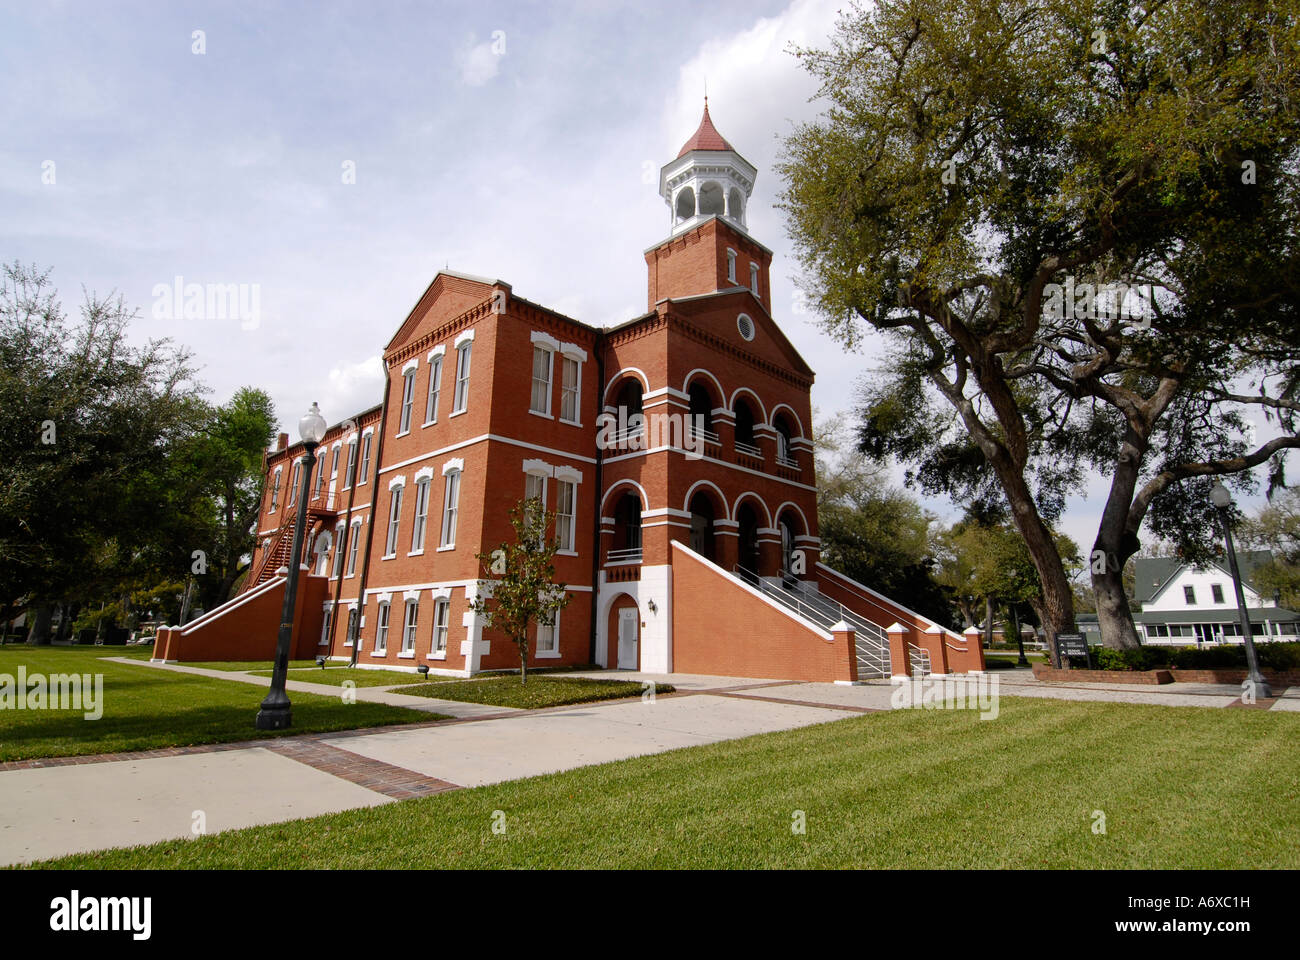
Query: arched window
column 627, row 527
column 748, row 521
column 701, row 405
column 702, row 516
column 711, row 199
column 736, row 205
column 685, row 206
column 784, row 452
column 745, row 425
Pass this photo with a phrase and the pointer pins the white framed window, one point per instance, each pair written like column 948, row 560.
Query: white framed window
column 450, row 508
column 435, row 385
column 350, row 472
column 365, row 459
column 408, row 398
column 381, row 629
column 338, row 548
column 566, row 495
column 409, row 623
column 275, row 489
column 421, row 514
column 441, row 621
column 731, row 266
column 535, row 488
column 570, row 388
column 461, row 397
column 394, row 520
column 353, row 619
column 334, row 465
column 543, row 366
column 354, row 537
column 326, row 624
column 753, row 278
column 548, row 638
column 293, row 482
column 320, row 475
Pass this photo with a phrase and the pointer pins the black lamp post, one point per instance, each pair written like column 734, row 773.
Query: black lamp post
column 276, row 712
column 1222, row 501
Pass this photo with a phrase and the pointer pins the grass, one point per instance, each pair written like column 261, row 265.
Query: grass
column 548, row 690
column 146, row 708
column 337, row 676
column 1180, row 788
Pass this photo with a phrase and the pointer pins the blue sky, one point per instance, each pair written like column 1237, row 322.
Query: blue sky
column 512, row 140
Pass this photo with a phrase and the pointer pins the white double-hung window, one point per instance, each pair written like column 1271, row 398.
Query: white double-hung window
column 409, row 624
column 566, row 494
column 543, row 362
column 408, row 398
column 421, row 513
column 435, row 387
column 394, row 515
column 464, row 350
column 441, row 621
column 450, row 502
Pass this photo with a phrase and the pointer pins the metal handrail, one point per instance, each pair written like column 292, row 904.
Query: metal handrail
column 919, row 658
column 626, row 555
column 870, row 641
column 748, row 448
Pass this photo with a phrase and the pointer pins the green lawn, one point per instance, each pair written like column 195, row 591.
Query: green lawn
column 148, row 707
column 1179, row 787
column 547, row 690
column 362, row 678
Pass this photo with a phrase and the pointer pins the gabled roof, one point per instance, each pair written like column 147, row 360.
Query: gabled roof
column 705, row 137
column 1152, row 574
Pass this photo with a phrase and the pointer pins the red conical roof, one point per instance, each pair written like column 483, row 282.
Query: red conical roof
column 706, row 137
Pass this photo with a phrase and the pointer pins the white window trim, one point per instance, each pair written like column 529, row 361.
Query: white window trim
column 443, row 596
column 327, row 628
column 731, row 265
column 549, row 654
column 465, row 337
column 354, row 541
column 579, row 356
column 549, row 345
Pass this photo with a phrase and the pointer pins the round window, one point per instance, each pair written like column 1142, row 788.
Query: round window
column 745, row 326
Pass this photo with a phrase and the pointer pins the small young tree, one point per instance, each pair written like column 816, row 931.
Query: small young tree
column 521, row 579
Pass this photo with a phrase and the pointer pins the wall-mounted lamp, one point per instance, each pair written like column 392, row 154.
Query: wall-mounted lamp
column 653, row 607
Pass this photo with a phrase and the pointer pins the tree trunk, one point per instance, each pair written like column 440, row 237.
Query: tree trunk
column 988, row 623
column 1113, row 615
column 38, row 634
column 1114, row 545
column 1020, row 639
column 523, row 662
column 6, row 614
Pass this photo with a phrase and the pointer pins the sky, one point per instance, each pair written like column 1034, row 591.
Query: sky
column 330, row 158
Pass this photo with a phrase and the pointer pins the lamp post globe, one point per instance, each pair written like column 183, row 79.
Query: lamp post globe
column 276, row 712
column 1255, row 686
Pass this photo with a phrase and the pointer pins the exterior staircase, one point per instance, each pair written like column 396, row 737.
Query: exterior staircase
column 801, row 598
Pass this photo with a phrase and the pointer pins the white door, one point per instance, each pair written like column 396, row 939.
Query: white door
column 627, row 629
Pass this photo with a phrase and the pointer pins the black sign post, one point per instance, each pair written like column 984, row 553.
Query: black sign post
column 1072, row 645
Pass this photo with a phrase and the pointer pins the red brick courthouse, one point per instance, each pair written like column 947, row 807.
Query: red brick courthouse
column 676, row 448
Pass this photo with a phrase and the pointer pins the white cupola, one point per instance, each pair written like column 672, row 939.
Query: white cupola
column 707, row 179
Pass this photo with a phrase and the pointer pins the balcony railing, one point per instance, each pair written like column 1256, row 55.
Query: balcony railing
column 788, row 462
column 748, row 449
column 707, row 435
column 626, row 555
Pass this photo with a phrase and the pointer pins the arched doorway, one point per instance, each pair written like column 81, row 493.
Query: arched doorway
column 623, row 625
column 747, row 519
column 703, row 515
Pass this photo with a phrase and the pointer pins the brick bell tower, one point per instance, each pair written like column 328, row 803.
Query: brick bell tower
column 708, row 249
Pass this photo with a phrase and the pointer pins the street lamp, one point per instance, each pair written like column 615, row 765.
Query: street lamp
column 276, row 713
column 1255, row 681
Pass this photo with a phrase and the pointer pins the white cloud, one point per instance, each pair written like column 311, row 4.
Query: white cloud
column 354, row 387
column 479, row 63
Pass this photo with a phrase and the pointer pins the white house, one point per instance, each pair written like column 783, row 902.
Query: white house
column 1182, row 604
